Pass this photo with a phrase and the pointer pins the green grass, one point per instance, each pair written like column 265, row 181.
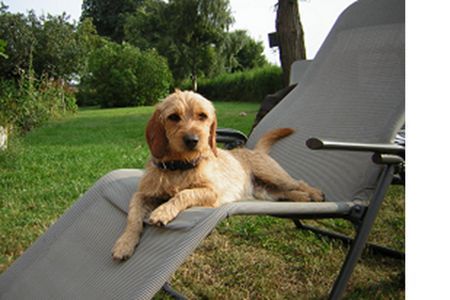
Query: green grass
column 42, row 174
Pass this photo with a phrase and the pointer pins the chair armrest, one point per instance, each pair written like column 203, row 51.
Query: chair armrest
column 231, row 138
column 316, row 144
column 383, row 153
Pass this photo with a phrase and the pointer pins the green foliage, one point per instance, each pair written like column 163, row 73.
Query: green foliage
column 30, row 102
column 2, row 49
column 193, row 36
column 57, row 53
column 41, row 54
column 148, row 26
column 17, row 30
column 248, row 86
column 109, row 16
column 53, row 42
column 197, row 25
column 241, row 52
column 122, row 75
column 187, row 32
column 87, row 41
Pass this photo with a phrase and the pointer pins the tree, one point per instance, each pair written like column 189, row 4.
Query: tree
column 56, row 50
column 87, row 41
column 188, row 32
column 148, row 26
column 17, row 31
column 241, row 52
column 195, row 26
column 290, row 36
column 109, row 16
column 49, row 43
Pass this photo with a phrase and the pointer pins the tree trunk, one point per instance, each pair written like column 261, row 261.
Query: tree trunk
column 290, row 36
column 194, row 70
column 3, row 137
column 194, row 82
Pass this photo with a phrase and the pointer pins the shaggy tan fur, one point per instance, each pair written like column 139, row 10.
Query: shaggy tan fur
column 183, row 128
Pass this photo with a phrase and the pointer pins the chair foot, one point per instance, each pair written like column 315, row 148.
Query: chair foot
column 373, row 248
column 167, row 288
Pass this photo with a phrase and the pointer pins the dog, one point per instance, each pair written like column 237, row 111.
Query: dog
column 187, row 169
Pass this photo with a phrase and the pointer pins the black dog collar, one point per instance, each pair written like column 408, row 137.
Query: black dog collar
column 176, row 165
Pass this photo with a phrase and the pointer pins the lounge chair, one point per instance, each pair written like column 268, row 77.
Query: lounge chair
column 350, row 105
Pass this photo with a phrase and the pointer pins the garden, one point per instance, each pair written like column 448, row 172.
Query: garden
column 75, row 98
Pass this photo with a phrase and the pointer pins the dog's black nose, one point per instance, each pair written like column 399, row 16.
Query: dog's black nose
column 191, row 141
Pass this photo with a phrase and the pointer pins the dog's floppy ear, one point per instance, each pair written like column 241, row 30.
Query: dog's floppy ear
column 212, row 136
column 156, row 136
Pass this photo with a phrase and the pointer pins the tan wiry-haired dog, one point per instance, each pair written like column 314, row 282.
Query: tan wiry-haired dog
column 188, row 170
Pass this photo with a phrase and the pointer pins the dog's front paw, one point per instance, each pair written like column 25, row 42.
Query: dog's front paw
column 163, row 214
column 124, row 248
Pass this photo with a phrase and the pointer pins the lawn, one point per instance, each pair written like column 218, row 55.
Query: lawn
column 43, row 173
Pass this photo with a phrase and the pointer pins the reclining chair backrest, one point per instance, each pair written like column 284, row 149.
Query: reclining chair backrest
column 299, row 69
column 353, row 92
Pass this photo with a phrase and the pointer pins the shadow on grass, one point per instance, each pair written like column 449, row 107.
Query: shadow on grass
column 388, row 288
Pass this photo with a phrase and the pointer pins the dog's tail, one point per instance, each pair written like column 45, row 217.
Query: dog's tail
column 271, row 137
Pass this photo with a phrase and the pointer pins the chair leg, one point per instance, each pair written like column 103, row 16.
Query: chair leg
column 173, row 293
column 362, row 234
column 373, row 248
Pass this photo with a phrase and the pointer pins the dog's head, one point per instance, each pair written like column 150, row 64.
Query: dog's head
column 182, row 127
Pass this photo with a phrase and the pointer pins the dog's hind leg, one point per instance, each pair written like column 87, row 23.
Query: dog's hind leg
column 296, row 196
column 267, row 172
column 314, row 193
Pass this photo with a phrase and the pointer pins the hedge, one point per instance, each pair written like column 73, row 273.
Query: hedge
column 246, row 86
column 121, row 75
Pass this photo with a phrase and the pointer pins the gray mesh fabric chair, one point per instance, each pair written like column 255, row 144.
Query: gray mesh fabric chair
column 351, row 102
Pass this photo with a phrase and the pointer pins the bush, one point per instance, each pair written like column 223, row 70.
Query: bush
column 30, row 102
column 247, row 86
column 122, row 75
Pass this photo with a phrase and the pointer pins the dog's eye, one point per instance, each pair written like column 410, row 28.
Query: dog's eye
column 174, row 117
column 202, row 116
